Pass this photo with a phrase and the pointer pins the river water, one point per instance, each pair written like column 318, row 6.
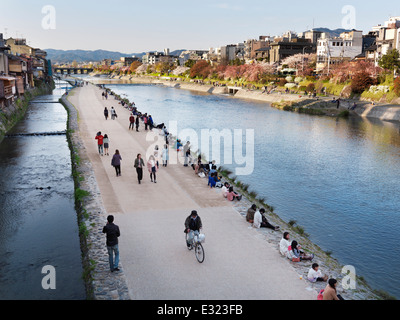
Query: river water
column 38, row 221
column 337, row 178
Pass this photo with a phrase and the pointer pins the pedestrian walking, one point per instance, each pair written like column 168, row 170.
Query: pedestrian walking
column 152, row 167
column 116, row 162
column 106, row 113
column 112, row 233
column 137, row 123
column 166, row 134
column 99, row 137
column 145, row 120
column 165, row 155
column 139, row 164
column 131, row 122
column 113, row 113
column 157, row 156
column 106, row 142
column 150, row 123
column 186, row 152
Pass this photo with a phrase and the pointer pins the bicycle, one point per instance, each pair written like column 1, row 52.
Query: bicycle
column 197, row 246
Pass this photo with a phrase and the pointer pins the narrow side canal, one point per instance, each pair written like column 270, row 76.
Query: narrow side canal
column 38, row 221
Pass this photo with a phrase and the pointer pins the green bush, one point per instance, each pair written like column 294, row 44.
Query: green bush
column 311, row 87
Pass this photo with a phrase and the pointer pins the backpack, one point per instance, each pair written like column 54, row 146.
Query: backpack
column 321, row 295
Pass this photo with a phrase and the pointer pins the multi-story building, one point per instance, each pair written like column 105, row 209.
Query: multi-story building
column 232, row 51
column 18, row 46
column 312, row 35
column 156, row 57
column 288, row 45
column 331, row 50
column 7, row 82
column 194, row 55
column 127, row 61
column 252, row 47
column 387, row 37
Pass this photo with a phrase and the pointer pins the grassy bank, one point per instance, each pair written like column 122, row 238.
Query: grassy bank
column 79, row 194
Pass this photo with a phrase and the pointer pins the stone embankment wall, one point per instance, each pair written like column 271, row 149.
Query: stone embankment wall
column 11, row 115
column 384, row 112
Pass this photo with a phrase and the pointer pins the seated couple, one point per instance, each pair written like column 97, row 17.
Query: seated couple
column 206, row 169
column 258, row 219
column 214, row 180
column 291, row 250
column 227, row 192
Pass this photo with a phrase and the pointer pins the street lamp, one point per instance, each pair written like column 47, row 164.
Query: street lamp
column 302, row 63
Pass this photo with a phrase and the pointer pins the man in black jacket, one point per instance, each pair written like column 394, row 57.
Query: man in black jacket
column 193, row 225
column 112, row 232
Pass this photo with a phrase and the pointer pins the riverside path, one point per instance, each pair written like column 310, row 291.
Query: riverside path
column 239, row 264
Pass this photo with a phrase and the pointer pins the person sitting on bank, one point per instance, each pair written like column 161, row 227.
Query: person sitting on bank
column 211, row 180
column 218, row 182
column 330, row 292
column 315, row 275
column 225, row 189
column 250, row 213
column 297, row 254
column 284, row 244
column 260, row 221
column 198, row 165
column 232, row 195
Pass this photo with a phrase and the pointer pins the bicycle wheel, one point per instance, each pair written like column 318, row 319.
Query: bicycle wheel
column 199, row 251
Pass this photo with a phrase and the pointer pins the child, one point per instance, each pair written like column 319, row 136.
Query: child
column 314, row 274
column 211, row 180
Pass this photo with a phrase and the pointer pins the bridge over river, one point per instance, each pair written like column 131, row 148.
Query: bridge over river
column 71, row 70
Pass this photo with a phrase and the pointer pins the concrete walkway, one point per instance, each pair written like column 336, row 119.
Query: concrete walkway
column 239, row 264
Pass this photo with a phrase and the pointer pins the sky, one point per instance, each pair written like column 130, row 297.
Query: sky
column 141, row 26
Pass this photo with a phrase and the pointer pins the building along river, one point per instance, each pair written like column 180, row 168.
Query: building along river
column 38, row 221
column 337, row 178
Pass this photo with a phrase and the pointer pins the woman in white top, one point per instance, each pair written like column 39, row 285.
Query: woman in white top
column 152, row 167
column 165, row 156
column 284, row 244
column 225, row 189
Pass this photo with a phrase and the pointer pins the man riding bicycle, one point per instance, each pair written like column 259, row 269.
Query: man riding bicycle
column 192, row 226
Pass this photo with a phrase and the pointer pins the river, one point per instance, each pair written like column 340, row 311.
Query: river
column 337, row 178
column 38, row 221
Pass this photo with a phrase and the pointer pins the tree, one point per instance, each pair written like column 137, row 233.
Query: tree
column 200, row 69
column 390, row 61
column 134, row 66
column 190, row 63
column 361, row 82
column 163, row 67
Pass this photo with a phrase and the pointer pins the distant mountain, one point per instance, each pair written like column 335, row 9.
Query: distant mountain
column 65, row 56
column 333, row 33
column 68, row 56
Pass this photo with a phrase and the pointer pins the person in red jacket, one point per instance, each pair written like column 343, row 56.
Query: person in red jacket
column 131, row 122
column 99, row 137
